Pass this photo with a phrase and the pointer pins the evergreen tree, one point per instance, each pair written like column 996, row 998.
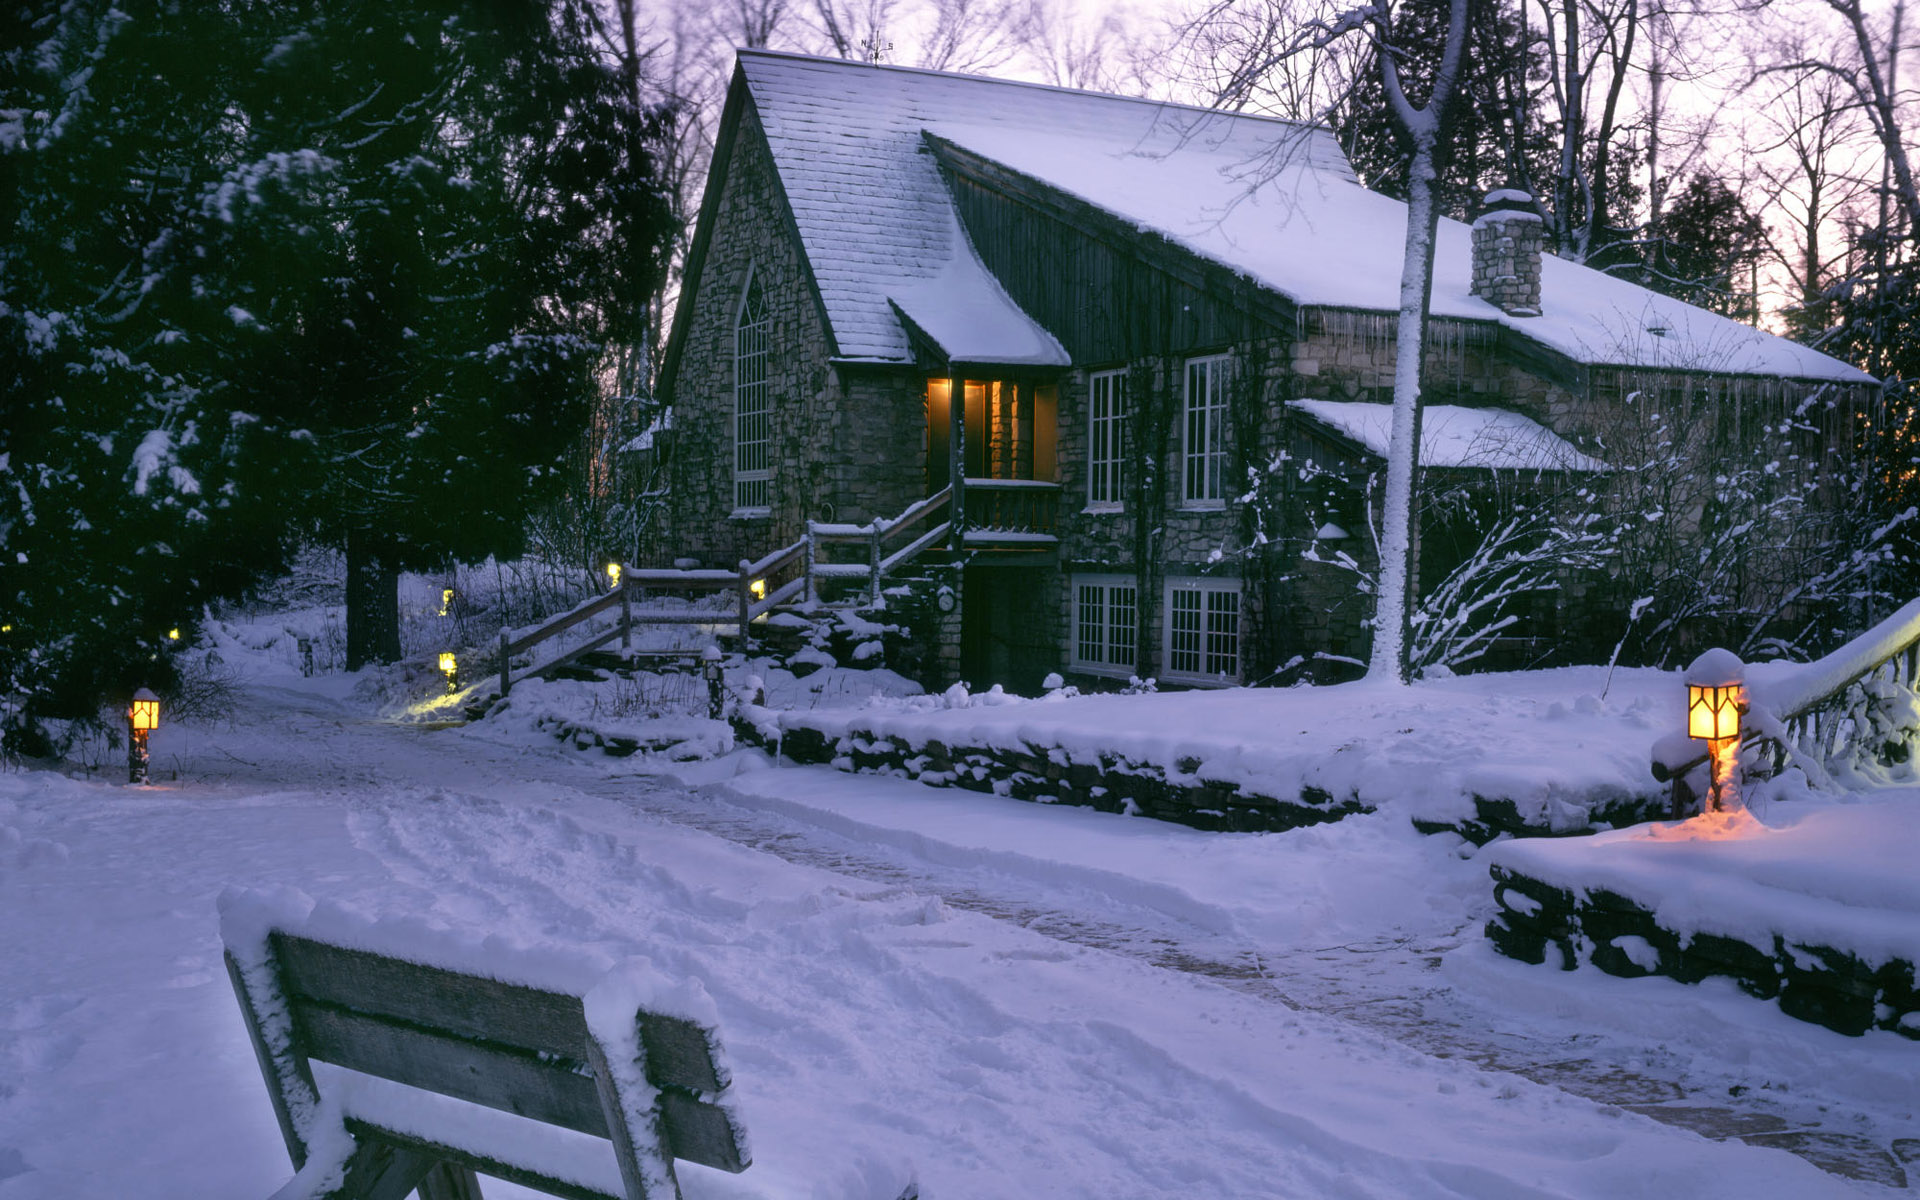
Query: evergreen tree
column 1709, row 246
column 1489, row 130
column 273, row 268
column 132, row 488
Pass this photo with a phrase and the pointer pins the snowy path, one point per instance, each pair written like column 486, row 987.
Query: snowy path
column 895, row 1009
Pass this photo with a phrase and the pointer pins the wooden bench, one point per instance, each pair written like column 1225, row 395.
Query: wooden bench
column 510, row 1047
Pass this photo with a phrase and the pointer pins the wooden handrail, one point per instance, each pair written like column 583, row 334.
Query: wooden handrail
column 874, row 534
column 585, row 611
column 1786, row 708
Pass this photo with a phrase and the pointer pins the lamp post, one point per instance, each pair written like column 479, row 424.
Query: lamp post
column 710, row 667
column 1715, row 699
column 143, row 717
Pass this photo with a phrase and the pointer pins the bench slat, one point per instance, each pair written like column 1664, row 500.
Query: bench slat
column 679, row 1053
column 432, row 997
column 505, row 1079
column 700, row 1132
column 467, row 1070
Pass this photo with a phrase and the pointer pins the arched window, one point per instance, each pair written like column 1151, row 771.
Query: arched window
column 752, row 403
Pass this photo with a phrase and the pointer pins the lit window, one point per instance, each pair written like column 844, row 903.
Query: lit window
column 1105, row 609
column 1204, row 446
column 1203, row 630
column 752, row 404
column 1106, row 428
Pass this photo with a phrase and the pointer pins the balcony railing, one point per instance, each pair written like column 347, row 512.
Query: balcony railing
column 1011, row 511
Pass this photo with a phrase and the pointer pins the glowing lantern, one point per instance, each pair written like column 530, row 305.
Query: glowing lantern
column 759, row 589
column 446, row 600
column 447, row 664
column 1715, row 699
column 613, row 574
column 173, row 635
column 144, row 714
column 143, row 717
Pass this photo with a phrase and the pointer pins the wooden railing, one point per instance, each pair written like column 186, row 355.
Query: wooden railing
column 1011, row 510
column 997, row 512
column 889, row 544
column 754, row 588
column 1811, row 717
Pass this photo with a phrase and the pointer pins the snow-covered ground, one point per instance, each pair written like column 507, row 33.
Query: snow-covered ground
column 993, row 999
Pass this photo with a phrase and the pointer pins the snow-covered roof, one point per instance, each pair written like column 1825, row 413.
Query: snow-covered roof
column 1492, row 439
column 875, row 217
column 1272, row 199
column 970, row 316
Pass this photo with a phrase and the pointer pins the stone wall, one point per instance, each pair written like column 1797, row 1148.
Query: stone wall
column 847, row 444
column 1540, row 922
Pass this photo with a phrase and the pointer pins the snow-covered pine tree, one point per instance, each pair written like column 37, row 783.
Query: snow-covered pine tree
column 134, row 484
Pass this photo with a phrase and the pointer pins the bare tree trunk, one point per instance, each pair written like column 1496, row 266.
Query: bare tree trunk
column 1398, row 541
column 373, row 603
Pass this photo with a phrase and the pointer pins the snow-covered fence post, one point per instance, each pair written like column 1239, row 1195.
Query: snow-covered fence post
column 506, row 665
column 744, row 597
column 873, row 564
column 806, row 568
column 626, row 619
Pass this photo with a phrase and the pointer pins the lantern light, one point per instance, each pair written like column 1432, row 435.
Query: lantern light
column 143, row 716
column 173, row 635
column 1716, row 696
column 613, row 574
column 446, row 600
column 759, row 589
column 450, row 668
column 144, row 713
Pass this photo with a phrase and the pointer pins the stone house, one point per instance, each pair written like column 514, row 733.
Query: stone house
column 1170, row 336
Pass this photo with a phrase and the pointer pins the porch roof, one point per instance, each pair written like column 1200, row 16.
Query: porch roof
column 1487, row 439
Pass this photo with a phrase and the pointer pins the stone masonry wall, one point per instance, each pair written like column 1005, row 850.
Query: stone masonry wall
column 846, row 446
column 1332, row 356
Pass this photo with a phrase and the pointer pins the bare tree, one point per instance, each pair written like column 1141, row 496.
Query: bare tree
column 1808, row 150
column 1423, row 127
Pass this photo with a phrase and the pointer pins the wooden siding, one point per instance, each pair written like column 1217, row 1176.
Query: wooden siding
column 1110, row 293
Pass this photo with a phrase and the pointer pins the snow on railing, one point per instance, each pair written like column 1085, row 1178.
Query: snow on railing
column 1856, row 709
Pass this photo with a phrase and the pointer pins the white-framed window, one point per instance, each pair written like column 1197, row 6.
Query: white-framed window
column 1203, row 458
column 1202, row 630
column 1106, row 437
column 752, row 403
column 1105, row 612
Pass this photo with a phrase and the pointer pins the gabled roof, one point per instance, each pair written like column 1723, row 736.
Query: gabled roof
column 1273, row 200
column 873, row 212
column 1488, row 439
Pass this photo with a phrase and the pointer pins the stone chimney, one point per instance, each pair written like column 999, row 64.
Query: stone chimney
column 1508, row 239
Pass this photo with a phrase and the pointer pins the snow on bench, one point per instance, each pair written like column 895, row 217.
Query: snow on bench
column 462, row 1056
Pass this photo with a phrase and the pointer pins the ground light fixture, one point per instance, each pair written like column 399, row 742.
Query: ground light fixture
column 450, row 668
column 1716, row 696
column 143, row 717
